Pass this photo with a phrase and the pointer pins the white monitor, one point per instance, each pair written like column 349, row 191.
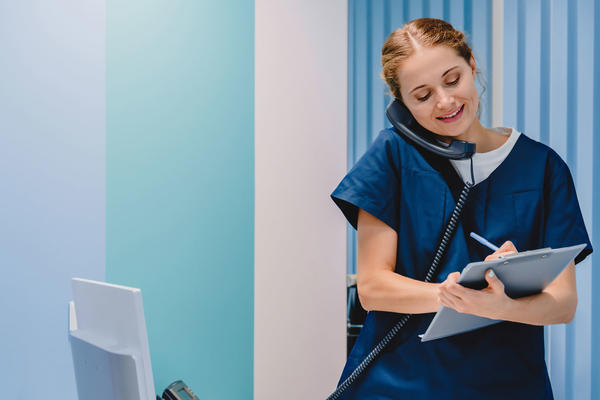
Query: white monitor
column 109, row 342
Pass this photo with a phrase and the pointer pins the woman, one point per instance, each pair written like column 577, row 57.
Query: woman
column 399, row 198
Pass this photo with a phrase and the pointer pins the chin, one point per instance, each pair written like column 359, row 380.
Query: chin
column 453, row 131
column 448, row 134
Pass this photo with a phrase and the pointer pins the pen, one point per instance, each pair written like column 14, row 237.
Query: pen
column 484, row 241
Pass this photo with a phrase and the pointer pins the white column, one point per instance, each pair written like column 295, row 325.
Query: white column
column 300, row 156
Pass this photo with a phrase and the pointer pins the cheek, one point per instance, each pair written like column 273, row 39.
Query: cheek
column 470, row 91
column 423, row 116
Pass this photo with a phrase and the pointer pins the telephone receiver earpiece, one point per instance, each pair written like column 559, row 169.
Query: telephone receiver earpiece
column 405, row 125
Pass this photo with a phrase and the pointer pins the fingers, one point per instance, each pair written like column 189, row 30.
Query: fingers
column 453, row 277
column 507, row 248
column 493, row 281
column 456, row 289
column 448, row 300
column 451, row 286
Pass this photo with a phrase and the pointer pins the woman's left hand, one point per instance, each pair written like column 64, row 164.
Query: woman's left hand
column 491, row 302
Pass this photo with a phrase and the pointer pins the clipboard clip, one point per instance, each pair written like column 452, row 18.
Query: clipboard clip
column 539, row 252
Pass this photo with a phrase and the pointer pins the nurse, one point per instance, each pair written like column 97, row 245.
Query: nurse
column 399, row 198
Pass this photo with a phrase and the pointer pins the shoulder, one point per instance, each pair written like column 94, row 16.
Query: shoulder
column 539, row 166
column 391, row 141
column 543, row 155
column 396, row 151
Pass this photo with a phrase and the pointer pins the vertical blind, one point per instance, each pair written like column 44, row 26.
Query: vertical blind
column 551, row 92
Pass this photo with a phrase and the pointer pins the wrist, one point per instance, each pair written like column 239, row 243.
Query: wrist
column 435, row 297
column 506, row 311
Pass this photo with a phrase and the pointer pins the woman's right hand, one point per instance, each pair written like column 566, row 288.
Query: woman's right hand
column 507, row 248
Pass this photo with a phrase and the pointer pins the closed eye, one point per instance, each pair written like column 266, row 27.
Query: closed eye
column 454, row 82
column 424, row 97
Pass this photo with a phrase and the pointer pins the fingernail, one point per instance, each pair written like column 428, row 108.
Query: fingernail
column 491, row 273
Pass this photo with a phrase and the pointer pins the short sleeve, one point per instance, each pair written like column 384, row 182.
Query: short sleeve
column 373, row 184
column 564, row 225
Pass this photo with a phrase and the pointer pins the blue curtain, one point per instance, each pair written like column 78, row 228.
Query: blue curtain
column 551, row 91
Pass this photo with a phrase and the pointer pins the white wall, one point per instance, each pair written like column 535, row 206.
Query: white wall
column 300, row 156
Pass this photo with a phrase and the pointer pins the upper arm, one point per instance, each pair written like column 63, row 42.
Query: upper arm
column 377, row 244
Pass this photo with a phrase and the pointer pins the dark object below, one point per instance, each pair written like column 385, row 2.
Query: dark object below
column 355, row 313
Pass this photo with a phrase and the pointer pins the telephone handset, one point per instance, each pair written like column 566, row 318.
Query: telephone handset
column 406, row 125
column 178, row 390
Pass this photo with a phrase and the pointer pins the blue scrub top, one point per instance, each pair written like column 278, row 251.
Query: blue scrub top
column 529, row 199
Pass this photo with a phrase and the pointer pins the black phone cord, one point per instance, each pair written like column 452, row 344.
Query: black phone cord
column 439, row 254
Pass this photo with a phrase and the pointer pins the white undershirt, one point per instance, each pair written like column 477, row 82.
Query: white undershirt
column 485, row 163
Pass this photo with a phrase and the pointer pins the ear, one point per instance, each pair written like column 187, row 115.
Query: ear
column 473, row 66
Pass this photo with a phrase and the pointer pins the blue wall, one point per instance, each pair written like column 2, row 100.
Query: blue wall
column 180, row 184
column 52, row 178
column 551, row 82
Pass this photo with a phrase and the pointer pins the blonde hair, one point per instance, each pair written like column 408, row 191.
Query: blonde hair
column 426, row 32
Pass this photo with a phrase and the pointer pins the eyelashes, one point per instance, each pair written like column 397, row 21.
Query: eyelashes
column 453, row 83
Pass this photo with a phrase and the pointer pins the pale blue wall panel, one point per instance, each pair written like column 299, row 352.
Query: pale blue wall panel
column 397, row 16
column 510, row 67
column 481, row 39
column 436, row 9
column 545, row 65
column 456, row 15
column 595, row 228
column 361, row 86
column 582, row 339
column 415, row 9
column 52, row 174
column 530, row 13
column 558, row 78
column 556, row 336
column 378, row 88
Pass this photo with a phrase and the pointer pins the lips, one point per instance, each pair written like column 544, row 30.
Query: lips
column 452, row 116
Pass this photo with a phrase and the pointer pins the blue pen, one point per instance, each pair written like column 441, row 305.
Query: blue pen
column 484, row 241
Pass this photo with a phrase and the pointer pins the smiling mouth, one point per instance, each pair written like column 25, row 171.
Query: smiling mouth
column 453, row 116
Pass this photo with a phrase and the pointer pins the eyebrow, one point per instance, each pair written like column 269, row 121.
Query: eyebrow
column 448, row 70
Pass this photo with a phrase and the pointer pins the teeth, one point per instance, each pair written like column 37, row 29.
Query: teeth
column 450, row 116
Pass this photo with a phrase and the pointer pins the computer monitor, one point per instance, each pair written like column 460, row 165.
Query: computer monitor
column 109, row 342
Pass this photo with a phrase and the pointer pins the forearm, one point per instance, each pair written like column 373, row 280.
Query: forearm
column 389, row 291
column 545, row 308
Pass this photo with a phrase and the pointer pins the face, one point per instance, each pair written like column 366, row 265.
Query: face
column 438, row 87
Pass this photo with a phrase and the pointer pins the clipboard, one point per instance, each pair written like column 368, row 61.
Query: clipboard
column 523, row 274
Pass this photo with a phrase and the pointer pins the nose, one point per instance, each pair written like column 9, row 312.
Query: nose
column 445, row 101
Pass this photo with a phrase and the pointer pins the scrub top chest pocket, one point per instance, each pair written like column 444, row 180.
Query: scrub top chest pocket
column 515, row 216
